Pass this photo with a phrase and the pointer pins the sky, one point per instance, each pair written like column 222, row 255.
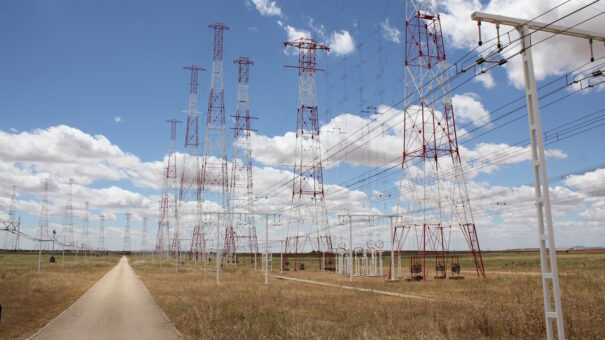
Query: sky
column 87, row 87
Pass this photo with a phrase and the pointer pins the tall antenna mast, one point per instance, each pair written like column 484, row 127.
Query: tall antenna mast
column 214, row 179
column 144, row 235
column 241, row 186
column 163, row 235
column 308, row 196
column 127, row 246
column 101, row 244
column 190, row 188
column 68, row 220
column 43, row 219
column 429, row 204
column 86, row 233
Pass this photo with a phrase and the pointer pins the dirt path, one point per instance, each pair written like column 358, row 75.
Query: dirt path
column 118, row 306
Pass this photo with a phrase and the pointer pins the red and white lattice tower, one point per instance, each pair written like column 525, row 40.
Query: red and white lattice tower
column 433, row 198
column 101, row 241
column 308, row 197
column 43, row 220
column 190, row 189
column 127, row 244
column 68, row 219
column 214, row 177
column 170, row 178
column 242, row 229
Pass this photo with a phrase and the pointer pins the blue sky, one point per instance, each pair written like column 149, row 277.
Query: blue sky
column 108, row 74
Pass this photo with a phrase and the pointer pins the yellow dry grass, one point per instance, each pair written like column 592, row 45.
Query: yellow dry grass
column 30, row 299
column 507, row 304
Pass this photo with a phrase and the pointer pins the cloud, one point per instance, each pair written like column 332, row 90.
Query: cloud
column 295, row 33
column 461, row 32
column 486, row 80
column 468, row 108
column 341, row 43
column 64, row 152
column 267, row 8
column 320, row 30
column 117, row 119
column 390, row 33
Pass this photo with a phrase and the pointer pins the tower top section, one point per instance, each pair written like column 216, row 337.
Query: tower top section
column 218, row 40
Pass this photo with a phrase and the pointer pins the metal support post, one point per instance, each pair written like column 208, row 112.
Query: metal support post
column 350, row 249
column 550, row 276
column 392, row 269
column 266, row 249
column 542, row 194
column 218, row 255
column 281, row 256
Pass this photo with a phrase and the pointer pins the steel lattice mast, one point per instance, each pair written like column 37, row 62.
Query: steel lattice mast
column 430, row 204
column 308, row 196
column 101, row 242
column 86, row 231
column 43, row 219
column 214, row 179
column 144, row 235
column 127, row 245
column 241, row 186
column 170, row 178
column 190, row 189
column 68, row 219
column 11, row 240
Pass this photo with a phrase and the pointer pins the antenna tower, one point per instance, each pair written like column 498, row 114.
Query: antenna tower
column 101, row 245
column 190, row 175
column 11, row 241
column 43, row 219
column 68, row 219
column 214, row 179
column 144, row 236
column 308, row 197
column 430, row 204
column 86, row 233
column 241, row 187
column 170, row 178
column 126, row 245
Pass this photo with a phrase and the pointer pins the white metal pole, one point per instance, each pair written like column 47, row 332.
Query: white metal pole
column 350, row 249
column 39, row 255
column 266, row 249
column 218, row 256
column 281, row 256
column 542, row 194
column 392, row 269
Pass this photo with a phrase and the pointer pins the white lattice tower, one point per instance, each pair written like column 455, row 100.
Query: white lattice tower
column 214, row 178
column 127, row 244
column 144, row 244
column 68, row 219
column 86, row 232
column 43, row 220
column 190, row 190
column 101, row 241
column 241, row 191
column 170, row 178
column 11, row 241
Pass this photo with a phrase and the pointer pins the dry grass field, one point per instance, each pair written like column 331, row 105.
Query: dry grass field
column 507, row 304
column 30, row 299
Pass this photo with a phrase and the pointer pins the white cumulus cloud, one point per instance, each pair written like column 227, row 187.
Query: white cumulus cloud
column 341, row 43
column 267, row 8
